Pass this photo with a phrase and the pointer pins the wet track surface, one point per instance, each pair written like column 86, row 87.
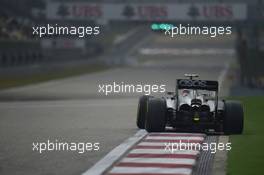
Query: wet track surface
column 72, row 109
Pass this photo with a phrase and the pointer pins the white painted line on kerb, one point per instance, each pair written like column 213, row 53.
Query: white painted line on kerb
column 159, row 160
column 163, row 151
column 181, row 134
column 143, row 143
column 223, row 75
column 150, row 170
column 173, row 138
column 113, row 156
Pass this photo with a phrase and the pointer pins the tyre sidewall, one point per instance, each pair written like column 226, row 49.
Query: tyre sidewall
column 233, row 118
column 156, row 115
column 142, row 111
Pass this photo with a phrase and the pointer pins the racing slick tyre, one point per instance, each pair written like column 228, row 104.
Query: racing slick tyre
column 156, row 115
column 233, row 118
column 142, row 111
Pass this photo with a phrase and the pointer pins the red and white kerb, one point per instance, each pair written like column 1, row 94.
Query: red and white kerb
column 151, row 156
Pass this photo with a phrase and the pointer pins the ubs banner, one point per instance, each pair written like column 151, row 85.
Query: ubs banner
column 147, row 11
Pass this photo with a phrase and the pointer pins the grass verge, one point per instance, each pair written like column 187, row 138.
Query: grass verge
column 33, row 78
column 247, row 155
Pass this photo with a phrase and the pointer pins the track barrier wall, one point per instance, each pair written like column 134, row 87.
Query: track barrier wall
column 20, row 53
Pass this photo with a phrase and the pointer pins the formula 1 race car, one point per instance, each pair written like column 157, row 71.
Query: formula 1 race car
column 193, row 107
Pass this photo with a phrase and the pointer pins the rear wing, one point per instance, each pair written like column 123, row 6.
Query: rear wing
column 197, row 84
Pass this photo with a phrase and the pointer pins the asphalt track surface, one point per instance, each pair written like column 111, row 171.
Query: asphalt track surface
column 72, row 110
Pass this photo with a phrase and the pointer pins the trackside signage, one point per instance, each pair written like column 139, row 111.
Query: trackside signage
column 147, row 11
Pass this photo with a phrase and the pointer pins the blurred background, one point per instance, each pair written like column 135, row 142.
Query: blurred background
column 19, row 48
column 49, row 85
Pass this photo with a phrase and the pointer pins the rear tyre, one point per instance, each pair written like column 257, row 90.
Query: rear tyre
column 233, row 118
column 156, row 115
column 142, row 111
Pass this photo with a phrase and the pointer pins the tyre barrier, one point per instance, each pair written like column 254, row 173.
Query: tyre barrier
column 21, row 58
column 20, row 53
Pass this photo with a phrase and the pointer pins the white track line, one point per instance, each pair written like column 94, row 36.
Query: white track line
column 120, row 38
column 223, row 75
column 113, row 156
column 145, row 170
